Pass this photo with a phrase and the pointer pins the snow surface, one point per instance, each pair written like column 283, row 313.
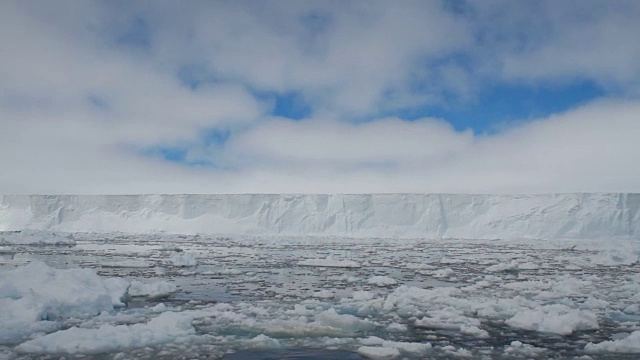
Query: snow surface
column 576, row 216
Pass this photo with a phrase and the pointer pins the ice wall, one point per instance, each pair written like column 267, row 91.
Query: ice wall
column 588, row 216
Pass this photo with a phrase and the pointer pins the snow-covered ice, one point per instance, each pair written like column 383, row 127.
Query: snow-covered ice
column 552, row 216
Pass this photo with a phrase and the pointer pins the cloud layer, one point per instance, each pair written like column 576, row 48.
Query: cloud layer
column 89, row 90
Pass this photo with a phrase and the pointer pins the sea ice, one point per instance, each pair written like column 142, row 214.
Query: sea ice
column 183, row 260
column 449, row 318
column 129, row 263
column 378, row 352
column 329, row 262
column 157, row 290
column 277, row 304
column 344, row 322
column 413, row 348
column 33, row 295
column 264, row 342
column 410, row 295
column 474, row 331
column 166, row 327
column 517, row 348
column 557, row 319
column 36, row 237
column 630, row 344
column 381, row 281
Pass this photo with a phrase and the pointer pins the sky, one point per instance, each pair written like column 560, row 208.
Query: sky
column 491, row 96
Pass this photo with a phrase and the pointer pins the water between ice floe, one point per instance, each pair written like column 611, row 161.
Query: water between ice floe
column 258, row 298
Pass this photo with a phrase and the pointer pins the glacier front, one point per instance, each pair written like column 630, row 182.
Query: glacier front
column 464, row 216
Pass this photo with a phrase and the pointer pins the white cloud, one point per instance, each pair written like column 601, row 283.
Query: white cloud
column 386, row 141
column 589, row 149
column 559, row 41
column 59, row 73
column 343, row 56
column 76, row 107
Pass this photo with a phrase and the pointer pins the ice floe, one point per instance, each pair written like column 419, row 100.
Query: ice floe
column 166, row 327
column 329, row 261
column 183, row 260
column 629, row 344
column 557, row 319
column 156, row 290
column 381, row 281
column 34, row 296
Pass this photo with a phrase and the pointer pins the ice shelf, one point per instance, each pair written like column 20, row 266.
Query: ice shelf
column 465, row 216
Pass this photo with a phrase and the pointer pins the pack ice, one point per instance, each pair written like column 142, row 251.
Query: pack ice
column 465, row 281
column 462, row 216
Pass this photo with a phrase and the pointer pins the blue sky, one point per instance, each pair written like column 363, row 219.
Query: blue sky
column 319, row 96
column 496, row 105
column 499, row 105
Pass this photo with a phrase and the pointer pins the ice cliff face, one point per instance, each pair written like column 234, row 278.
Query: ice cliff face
column 587, row 216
